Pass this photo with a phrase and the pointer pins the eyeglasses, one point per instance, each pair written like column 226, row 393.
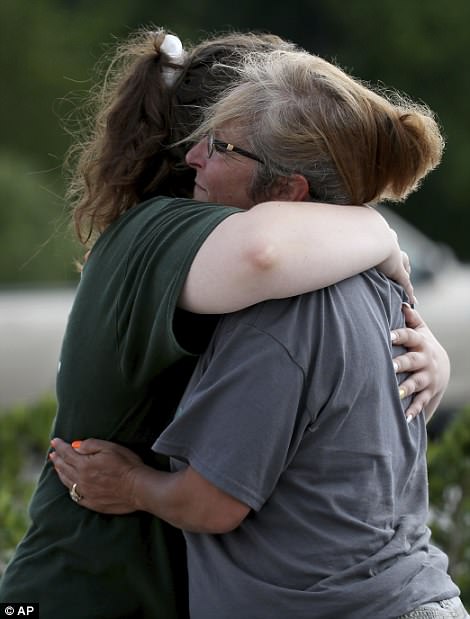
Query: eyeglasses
column 224, row 147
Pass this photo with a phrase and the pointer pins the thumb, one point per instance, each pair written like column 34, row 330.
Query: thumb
column 412, row 317
column 88, row 446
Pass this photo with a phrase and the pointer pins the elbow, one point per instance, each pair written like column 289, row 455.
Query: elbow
column 215, row 521
column 201, row 507
column 262, row 254
column 268, row 234
column 225, row 523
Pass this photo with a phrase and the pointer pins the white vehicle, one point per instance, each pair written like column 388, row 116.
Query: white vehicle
column 442, row 287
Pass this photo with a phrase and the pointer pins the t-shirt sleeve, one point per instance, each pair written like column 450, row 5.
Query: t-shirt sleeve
column 162, row 243
column 238, row 420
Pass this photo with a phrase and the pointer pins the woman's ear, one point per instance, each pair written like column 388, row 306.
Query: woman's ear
column 293, row 188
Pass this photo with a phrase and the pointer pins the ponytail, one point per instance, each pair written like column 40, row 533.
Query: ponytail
column 126, row 156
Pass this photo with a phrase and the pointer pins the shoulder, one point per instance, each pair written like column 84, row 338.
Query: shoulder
column 166, row 211
column 179, row 207
column 162, row 222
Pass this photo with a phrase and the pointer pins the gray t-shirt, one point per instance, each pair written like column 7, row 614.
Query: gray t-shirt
column 294, row 410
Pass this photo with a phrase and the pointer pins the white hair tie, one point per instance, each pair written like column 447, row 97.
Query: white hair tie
column 173, row 48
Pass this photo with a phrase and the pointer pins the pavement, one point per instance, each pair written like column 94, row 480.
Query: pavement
column 32, row 325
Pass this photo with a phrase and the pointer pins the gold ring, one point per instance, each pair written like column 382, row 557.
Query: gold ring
column 74, row 495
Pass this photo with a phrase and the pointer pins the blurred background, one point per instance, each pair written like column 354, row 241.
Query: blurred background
column 48, row 51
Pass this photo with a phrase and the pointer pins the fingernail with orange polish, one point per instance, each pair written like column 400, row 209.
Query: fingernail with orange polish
column 76, row 444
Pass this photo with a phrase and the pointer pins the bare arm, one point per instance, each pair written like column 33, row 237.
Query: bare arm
column 113, row 480
column 278, row 250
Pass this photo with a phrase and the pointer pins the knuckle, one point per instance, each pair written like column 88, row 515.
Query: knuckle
column 408, row 386
column 424, row 400
column 400, row 335
column 409, row 336
column 412, row 410
column 422, row 380
column 403, row 362
column 420, row 402
column 414, row 358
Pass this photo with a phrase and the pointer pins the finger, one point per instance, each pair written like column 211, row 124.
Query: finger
column 409, row 290
column 412, row 317
column 86, row 447
column 68, row 473
column 97, row 447
column 62, row 470
column 415, row 383
column 64, row 450
column 89, row 446
column 404, row 279
column 64, row 478
column 410, row 362
column 68, row 478
column 418, row 404
column 407, row 337
column 406, row 261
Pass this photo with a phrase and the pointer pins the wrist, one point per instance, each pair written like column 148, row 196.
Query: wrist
column 134, row 486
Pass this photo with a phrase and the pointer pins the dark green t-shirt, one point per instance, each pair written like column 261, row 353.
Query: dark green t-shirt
column 121, row 373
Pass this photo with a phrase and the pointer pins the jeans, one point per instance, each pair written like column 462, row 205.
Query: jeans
column 446, row 609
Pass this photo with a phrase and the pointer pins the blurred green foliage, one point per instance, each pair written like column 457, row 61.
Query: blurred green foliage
column 24, row 440
column 48, row 50
column 35, row 236
column 449, row 493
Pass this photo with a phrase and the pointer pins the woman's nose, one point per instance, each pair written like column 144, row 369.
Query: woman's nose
column 197, row 155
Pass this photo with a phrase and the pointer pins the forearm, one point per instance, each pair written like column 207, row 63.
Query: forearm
column 157, row 493
column 278, row 250
column 185, row 500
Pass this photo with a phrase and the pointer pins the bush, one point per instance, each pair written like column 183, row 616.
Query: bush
column 24, row 439
column 449, row 496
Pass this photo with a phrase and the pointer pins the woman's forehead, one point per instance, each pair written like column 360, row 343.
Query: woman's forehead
column 230, row 131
